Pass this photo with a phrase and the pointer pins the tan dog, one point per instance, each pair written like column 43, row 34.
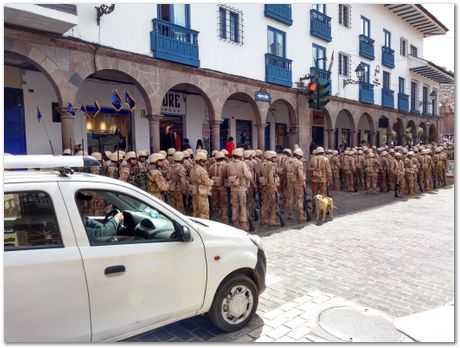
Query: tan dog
column 324, row 204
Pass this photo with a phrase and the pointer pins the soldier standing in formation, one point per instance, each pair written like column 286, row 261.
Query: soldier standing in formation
column 219, row 197
column 179, row 186
column 201, row 187
column 156, row 182
column 269, row 182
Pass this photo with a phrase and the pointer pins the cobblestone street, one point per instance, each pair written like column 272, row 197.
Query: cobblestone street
column 395, row 256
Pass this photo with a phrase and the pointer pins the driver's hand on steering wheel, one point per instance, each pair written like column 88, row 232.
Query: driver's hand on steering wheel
column 120, row 217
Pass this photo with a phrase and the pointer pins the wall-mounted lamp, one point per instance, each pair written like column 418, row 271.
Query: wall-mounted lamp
column 102, row 10
column 359, row 74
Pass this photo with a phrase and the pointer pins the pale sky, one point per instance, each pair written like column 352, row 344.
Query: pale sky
column 440, row 49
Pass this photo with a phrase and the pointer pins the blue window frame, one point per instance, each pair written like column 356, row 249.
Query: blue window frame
column 318, row 53
column 365, row 27
column 366, row 76
column 413, row 96
column 178, row 14
column 402, row 87
column 386, row 80
column 234, row 20
column 320, row 8
column 413, row 51
column 276, row 41
column 222, row 22
column 386, row 38
column 425, row 99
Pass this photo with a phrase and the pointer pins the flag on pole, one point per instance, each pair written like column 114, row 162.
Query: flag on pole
column 331, row 62
column 116, row 100
column 38, row 114
column 97, row 108
column 130, row 101
column 84, row 111
column 70, row 109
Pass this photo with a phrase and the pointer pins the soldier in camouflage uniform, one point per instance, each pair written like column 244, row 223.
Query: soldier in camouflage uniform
column 179, row 185
column 426, row 168
column 201, row 187
column 440, row 165
column 239, row 178
column 399, row 170
column 142, row 161
column 391, row 172
column 360, row 173
column 156, row 182
column 130, row 169
column 280, row 161
column 336, row 166
column 170, row 154
column 296, row 185
column 410, row 167
column 372, row 169
column 385, row 163
column 219, row 197
column 349, row 167
column 117, row 157
column 251, row 191
column 321, row 173
column 269, row 183
column 99, row 204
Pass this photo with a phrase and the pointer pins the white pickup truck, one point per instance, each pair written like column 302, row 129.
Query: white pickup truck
column 75, row 271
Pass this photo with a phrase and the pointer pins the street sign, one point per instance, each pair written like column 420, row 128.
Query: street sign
column 263, row 96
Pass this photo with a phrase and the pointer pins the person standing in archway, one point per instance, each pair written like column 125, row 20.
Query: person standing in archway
column 230, row 146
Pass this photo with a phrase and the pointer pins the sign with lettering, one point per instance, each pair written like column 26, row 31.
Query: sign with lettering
column 263, row 96
column 173, row 104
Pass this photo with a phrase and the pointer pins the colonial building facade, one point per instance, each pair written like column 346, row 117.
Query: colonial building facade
column 195, row 70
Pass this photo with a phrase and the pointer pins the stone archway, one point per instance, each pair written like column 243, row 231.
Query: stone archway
column 432, row 134
column 366, row 129
column 424, row 133
column 345, row 130
column 241, row 119
column 398, row 129
column 281, row 129
column 411, row 132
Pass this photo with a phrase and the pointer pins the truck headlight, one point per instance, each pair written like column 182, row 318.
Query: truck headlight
column 256, row 240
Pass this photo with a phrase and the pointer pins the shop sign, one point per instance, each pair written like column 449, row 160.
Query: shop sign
column 173, row 104
column 263, row 96
column 318, row 118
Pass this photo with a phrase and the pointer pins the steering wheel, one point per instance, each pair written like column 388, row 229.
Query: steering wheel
column 110, row 215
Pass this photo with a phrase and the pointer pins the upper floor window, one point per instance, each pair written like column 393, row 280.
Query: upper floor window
column 386, row 80
column 230, row 24
column 425, row 99
column 178, row 14
column 402, row 87
column 386, row 38
column 344, row 15
column 320, row 8
column 413, row 96
column 366, row 75
column 403, row 47
column 319, row 53
column 344, row 64
column 276, row 42
column 434, row 102
column 413, row 51
column 365, row 27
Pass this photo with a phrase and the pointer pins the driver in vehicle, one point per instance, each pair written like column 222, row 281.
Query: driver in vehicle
column 94, row 228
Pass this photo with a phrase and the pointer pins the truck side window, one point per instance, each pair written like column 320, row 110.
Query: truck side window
column 30, row 221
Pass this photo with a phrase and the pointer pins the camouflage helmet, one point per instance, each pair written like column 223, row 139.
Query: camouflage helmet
column 288, row 151
column 201, row 156
column 225, row 152
column 360, row 152
column 314, row 151
column 219, row 154
column 270, row 154
column 237, row 153
column 298, row 151
column 438, row 149
column 247, row 153
column 142, row 153
column 335, row 152
column 384, row 153
column 155, row 157
column 82, row 153
column 129, row 155
column 66, row 152
column 391, row 151
column 319, row 150
column 204, row 151
column 117, row 156
column 171, row 151
column 186, row 153
column 259, row 152
column 254, row 153
column 178, row 156
column 398, row 154
column 163, row 152
column 107, row 154
column 371, row 155
column 213, row 153
column 405, row 150
column 97, row 155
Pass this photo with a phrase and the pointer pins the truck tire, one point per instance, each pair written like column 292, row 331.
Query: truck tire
column 234, row 304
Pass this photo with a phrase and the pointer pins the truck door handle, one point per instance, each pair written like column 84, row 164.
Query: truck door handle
column 114, row 269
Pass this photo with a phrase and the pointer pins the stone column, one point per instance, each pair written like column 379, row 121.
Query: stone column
column 67, row 128
column 330, row 139
column 305, row 116
column 154, row 132
column 214, row 126
column 261, row 135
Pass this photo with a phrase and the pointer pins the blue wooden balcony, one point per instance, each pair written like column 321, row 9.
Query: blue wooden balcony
column 278, row 70
column 174, row 43
column 388, row 100
column 403, row 102
column 280, row 12
column 324, row 76
column 366, row 93
column 320, row 25
column 388, row 57
column 366, row 47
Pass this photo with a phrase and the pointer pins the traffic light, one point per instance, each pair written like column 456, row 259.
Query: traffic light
column 312, row 95
column 323, row 92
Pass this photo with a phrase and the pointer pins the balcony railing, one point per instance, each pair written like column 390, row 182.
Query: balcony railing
column 324, row 76
column 278, row 70
column 366, row 93
column 403, row 102
column 366, row 47
column 388, row 98
column 281, row 12
column 174, row 43
column 388, row 57
column 320, row 25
